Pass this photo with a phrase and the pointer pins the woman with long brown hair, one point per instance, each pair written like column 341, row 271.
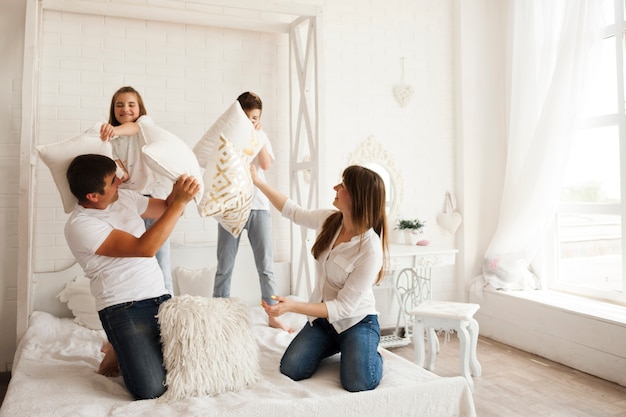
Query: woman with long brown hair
column 350, row 252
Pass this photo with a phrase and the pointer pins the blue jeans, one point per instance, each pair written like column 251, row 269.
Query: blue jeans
column 259, row 227
column 163, row 258
column 361, row 365
column 133, row 330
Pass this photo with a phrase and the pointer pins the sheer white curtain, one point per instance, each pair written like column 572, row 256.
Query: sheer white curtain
column 549, row 47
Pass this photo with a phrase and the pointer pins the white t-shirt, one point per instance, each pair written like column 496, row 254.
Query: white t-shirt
column 140, row 177
column 259, row 200
column 346, row 273
column 114, row 280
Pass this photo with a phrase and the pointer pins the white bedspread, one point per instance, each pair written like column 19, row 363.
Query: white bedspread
column 54, row 374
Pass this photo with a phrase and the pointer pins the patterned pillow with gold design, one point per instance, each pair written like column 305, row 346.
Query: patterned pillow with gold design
column 228, row 187
column 235, row 125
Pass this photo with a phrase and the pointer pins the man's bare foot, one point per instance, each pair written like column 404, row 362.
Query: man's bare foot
column 109, row 366
column 277, row 324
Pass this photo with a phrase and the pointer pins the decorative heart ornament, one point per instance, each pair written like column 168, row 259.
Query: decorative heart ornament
column 403, row 93
column 449, row 221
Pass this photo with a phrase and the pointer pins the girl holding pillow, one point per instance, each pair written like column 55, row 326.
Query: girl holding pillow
column 126, row 110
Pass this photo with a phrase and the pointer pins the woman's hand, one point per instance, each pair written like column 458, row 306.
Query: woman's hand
column 276, row 198
column 275, row 310
column 285, row 305
column 254, row 174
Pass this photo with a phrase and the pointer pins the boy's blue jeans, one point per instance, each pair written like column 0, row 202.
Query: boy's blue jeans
column 361, row 365
column 133, row 330
column 259, row 227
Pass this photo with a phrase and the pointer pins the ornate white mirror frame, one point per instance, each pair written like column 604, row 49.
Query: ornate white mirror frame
column 373, row 155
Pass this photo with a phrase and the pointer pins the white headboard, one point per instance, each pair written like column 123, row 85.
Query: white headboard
column 46, row 286
column 245, row 282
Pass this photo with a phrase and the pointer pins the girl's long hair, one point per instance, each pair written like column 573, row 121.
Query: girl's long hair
column 367, row 192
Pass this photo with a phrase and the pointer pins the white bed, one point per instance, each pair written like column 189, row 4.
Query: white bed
column 54, row 374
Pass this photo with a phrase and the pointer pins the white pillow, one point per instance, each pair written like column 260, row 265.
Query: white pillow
column 235, row 125
column 208, row 346
column 228, row 188
column 57, row 157
column 77, row 295
column 196, row 282
column 168, row 155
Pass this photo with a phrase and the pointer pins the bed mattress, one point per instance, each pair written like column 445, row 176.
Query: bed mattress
column 54, row 374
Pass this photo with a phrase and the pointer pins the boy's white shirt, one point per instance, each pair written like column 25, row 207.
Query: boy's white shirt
column 259, row 200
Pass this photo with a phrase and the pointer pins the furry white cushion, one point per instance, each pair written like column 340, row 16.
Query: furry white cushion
column 167, row 154
column 196, row 282
column 57, row 157
column 77, row 295
column 235, row 125
column 228, row 188
column 208, row 346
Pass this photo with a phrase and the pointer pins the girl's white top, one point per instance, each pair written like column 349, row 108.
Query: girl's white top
column 140, row 177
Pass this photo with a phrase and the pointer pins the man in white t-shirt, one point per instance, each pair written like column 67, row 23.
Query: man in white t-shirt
column 107, row 235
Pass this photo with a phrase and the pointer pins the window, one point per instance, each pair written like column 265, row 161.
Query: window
column 589, row 217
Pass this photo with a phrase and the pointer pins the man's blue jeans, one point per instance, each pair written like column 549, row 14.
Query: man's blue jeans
column 361, row 364
column 133, row 330
column 259, row 227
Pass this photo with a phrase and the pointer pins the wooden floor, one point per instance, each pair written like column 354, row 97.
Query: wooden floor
column 518, row 384
column 515, row 383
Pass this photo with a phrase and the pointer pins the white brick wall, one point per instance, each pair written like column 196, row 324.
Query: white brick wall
column 189, row 74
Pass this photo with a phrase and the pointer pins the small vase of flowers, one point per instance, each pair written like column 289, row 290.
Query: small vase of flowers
column 413, row 233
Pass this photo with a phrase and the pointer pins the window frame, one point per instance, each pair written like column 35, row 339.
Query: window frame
column 618, row 120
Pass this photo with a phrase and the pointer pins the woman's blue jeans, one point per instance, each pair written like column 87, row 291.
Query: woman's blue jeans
column 259, row 227
column 361, row 366
column 133, row 330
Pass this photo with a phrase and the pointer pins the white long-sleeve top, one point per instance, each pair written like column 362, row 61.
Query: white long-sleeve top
column 345, row 274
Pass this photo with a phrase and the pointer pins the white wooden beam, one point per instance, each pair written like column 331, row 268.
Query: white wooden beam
column 274, row 16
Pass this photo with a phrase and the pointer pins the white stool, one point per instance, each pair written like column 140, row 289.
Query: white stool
column 446, row 315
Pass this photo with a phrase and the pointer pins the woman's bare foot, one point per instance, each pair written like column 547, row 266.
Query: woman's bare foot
column 277, row 324
column 109, row 366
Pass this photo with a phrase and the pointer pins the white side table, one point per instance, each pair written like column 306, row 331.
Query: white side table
column 411, row 289
column 447, row 315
